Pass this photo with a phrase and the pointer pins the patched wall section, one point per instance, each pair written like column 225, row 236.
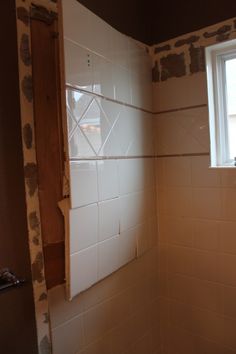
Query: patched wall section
column 185, row 55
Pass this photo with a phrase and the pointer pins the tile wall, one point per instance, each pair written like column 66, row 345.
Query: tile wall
column 178, row 297
column 197, row 222
column 111, row 147
column 113, row 217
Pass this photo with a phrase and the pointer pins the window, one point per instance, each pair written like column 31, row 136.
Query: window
column 221, row 78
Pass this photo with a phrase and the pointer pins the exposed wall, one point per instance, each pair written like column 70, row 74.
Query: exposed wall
column 112, row 171
column 196, row 205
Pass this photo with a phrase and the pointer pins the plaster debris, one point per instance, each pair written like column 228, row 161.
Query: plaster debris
column 221, row 30
column 197, row 56
column 31, row 177
column 27, row 87
column 35, row 226
column 37, row 268
column 25, row 50
column 162, row 48
column 28, row 135
column 23, row 15
column 173, row 65
column 222, row 37
column 188, row 40
column 43, row 297
column 45, row 346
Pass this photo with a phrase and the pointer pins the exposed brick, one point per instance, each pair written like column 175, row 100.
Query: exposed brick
column 173, row 65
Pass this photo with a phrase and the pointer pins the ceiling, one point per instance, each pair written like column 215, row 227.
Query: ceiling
column 161, row 20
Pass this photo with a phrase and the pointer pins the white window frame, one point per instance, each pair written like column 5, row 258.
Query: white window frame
column 216, row 56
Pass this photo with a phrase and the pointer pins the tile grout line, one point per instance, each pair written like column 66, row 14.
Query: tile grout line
column 99, row 158
column 79, row 89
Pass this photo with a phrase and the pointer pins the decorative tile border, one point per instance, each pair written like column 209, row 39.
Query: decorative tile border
column 23, row 10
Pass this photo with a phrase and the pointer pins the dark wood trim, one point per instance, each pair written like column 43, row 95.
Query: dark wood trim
column 54, row 257
column 49, row 144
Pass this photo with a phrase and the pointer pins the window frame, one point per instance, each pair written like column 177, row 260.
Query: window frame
column 216, row 57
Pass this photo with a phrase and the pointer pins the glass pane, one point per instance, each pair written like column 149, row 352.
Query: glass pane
column 231, row 104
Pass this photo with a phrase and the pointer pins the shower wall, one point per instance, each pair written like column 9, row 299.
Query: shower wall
column 196, row 204
column 113, row 204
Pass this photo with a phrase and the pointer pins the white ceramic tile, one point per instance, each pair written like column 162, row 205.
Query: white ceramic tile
column 109, row 218
column 168, row 95
column 84, row 189
column 152, row 231
column 83, row 227
column 182, row 132
column 132, row 210
column 71, row 123
column 111, row 109
column 136, row 54
column 202, row 175
column 62, row 311
column 79, row 145
column 107, row 179
column 83, row 270
column 207, row 203
column 95, row 125
column 78, row 31
column 111, row 147
column 136, row 90
column 139, row 130
column 108, row 256
column 78, row 66
column 148, row 134
column 125, row 128
column 132, row 175
column 120, row 49
column 66, row 339
column 103, row 77
column 178, row 201
column 127, row 246
column 101, row 41
column 77, row 103
column 142, row 237
column 151, row 202
column 121, row 84
column 177, row 171
column 228, row 196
